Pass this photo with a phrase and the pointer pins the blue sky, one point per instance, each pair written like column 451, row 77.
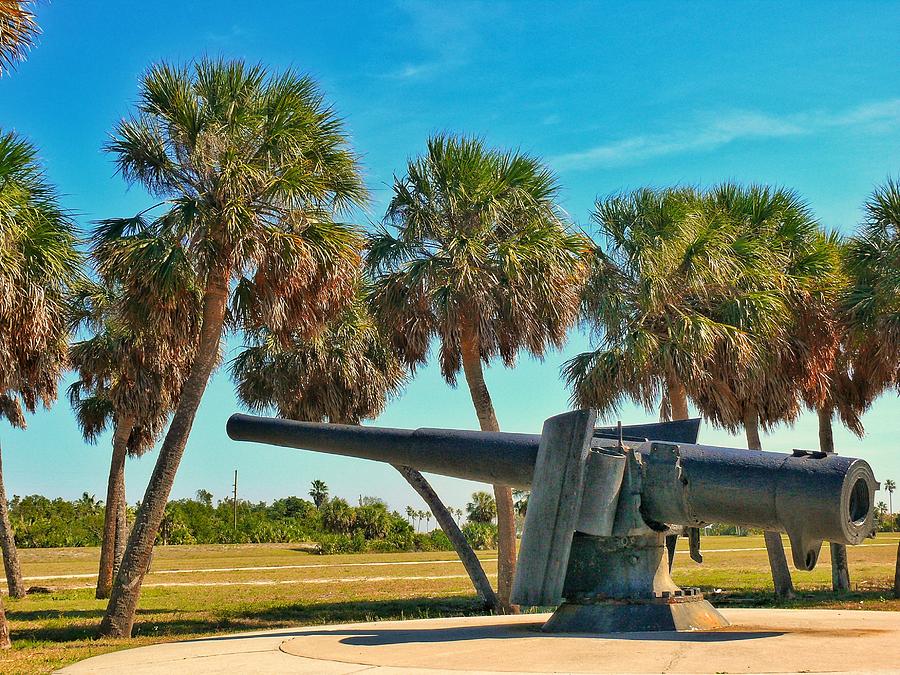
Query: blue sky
column 613, row 95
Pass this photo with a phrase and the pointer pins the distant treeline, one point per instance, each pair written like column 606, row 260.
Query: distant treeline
column 334, row 527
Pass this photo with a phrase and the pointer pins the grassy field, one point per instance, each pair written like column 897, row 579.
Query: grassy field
column 202, row 590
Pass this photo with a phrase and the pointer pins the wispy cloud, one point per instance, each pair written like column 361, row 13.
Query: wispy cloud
column 412, row 71
column 443, row 36
column 709, row 133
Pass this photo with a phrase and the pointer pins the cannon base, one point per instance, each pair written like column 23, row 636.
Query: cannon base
column 622, row 584
column 686, row 613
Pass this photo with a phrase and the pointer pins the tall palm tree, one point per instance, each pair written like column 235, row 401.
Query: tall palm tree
column 654, row 278
column 785, row 298
column 344, row 375
column 18, row 30
column 250, row 169
column 38, row 265
column 129, row 381
column 872, row 303
column 317, row 490
column 481, row 259
column 699, row 295
column 890, row 486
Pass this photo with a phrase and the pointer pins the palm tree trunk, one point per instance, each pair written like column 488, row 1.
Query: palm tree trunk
column 121, row 532
column 115, row 486
column 781, row 574
column 119, row 617
column 487, row 419
column 675, row 408
column 5, row 642
column 14, row 581
column 751, row 428
column 840, row 569
column 445, row 519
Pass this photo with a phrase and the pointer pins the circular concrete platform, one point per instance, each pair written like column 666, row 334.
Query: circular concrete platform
column 758, row 641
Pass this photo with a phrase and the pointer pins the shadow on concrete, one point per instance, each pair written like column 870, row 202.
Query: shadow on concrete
column 380, row 637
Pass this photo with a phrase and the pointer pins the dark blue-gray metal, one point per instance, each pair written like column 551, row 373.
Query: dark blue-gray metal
column 811, row 496
column 676, row 431
column 488, row 457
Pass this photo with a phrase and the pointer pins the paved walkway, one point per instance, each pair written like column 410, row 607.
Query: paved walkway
column 758, row 641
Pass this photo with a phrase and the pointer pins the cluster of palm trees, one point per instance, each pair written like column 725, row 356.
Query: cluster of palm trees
column 416, row 516
column 732, row 299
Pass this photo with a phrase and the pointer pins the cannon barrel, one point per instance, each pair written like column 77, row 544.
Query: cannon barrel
column 487, row 457
column 810, row 495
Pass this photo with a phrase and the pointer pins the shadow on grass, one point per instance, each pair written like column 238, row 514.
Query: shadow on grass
column 804, row 599
column 83, row 624
column 77, row 625
column 68, row 614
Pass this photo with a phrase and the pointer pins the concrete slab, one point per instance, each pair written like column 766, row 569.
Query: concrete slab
column 758, row 641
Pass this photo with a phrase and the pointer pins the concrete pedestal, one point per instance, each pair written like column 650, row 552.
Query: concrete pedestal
column 757, row 641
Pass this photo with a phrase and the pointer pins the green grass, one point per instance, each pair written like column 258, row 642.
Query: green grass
column 52, row 629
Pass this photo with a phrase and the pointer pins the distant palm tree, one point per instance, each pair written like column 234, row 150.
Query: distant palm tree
column 38, row 266
column 18, row 31
column 480, row 259
column 482, row 508
column 890, row 486
column 251, row 169
column 410, row 514
column 319, row 493
column 130, row 381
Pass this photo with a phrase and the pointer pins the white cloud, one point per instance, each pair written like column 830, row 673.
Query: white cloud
column 412, row 71
column 713, row 132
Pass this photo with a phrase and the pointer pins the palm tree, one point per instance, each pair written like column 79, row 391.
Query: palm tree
column 38, row 265
column 127, row 380
column 410, row 514
column 890, row 486
column 785, row 298
column 482, row 508
column 250, row 169
column 646, row 298
column 711, row 297
column 481, row 260
column 872, row 303
column 18, row 31
column 344, row 375
column 318, row 491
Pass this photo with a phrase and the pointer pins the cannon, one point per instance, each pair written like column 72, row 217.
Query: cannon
column 604, row 500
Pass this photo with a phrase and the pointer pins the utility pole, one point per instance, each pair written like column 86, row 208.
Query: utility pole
column 234, row 501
